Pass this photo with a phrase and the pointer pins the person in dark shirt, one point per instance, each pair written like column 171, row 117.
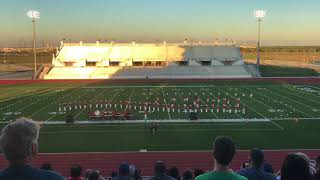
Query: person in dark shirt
column 19, row 143
column 124, row 172
column 295, row 167
column 255, row 170
column 173, row 172
column 316, row 176
column 75, row 172
column 160, row 172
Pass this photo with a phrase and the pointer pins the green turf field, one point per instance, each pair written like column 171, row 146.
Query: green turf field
column 266, row 115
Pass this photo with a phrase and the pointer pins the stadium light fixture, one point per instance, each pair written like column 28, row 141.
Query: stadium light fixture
column 32, row 14
column 259, row 14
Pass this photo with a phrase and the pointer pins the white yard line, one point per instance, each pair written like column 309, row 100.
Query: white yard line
column 230, row 96
column 292, row 100
column 112, row 98
column 304, row 92
column 162, row 130
column 264, row 104
column 299, row 96
column 165, row 102
column 76, row 116
column 177, row 86
column 313, row 87
column 261, row 115
column 182, row 98
column 206, row 105
column 50, row 104
column 292, row 107
column 129, row 101
column 24, row 95
column 58, row 99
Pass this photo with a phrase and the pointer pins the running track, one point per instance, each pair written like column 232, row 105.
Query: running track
column 107, row 162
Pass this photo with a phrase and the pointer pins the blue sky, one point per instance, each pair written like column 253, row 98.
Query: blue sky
column 288, row 22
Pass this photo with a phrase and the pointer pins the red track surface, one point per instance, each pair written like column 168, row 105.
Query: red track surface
column 107, row 162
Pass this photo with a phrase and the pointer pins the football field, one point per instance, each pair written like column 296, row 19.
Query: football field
column 189, row 115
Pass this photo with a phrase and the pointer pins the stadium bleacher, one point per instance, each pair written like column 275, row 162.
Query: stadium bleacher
column 167, row 61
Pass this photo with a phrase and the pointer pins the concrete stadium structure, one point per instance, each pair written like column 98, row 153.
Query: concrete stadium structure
column 146, row 61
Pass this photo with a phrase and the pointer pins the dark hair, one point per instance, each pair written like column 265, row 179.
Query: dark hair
column 46, row 166
column 197, row 172
column 94, row 175
column 256, row 158
column 124, row 169
column 295, row 167
column 318, row 161
column 173, row 172
column 76, row 170
column 137, row 174
column 223, row 150
column 160, row 168
column 187, row 175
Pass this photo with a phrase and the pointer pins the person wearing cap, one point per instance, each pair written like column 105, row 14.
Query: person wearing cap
column 255, row 170
column 124, row 172
column 19, row 144
column 160, row 172
column 223, row 153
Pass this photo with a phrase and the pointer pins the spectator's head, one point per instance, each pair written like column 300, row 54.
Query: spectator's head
column 197, row 172
column 46, row 166
column 160, row 168
column 94, row 175
column 75, row 171
column 124, row 169
column 295, row 168
column 223, row 150
column 88, row 171
column 306, row 158
column 256, row 158
column 19, row 141
column 187, row 175
column 132, row 170
column 173, row 172
column 318, row 163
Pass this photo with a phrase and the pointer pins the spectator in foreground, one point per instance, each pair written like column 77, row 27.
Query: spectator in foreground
column 255, row 170
column 187, row 175
column 267, row 167
column 124, row 172
column 19, row 143
column 160, row 172
column 316, row 176
column 46, row 166
column 197, row 172
column 95, row 175
column 223, row 153
column 75, row 172
column 295, row 167
column 173, row 172
column 306, row 158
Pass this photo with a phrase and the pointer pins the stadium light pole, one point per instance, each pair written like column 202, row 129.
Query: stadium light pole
column 259, row 14
column 34, row 15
